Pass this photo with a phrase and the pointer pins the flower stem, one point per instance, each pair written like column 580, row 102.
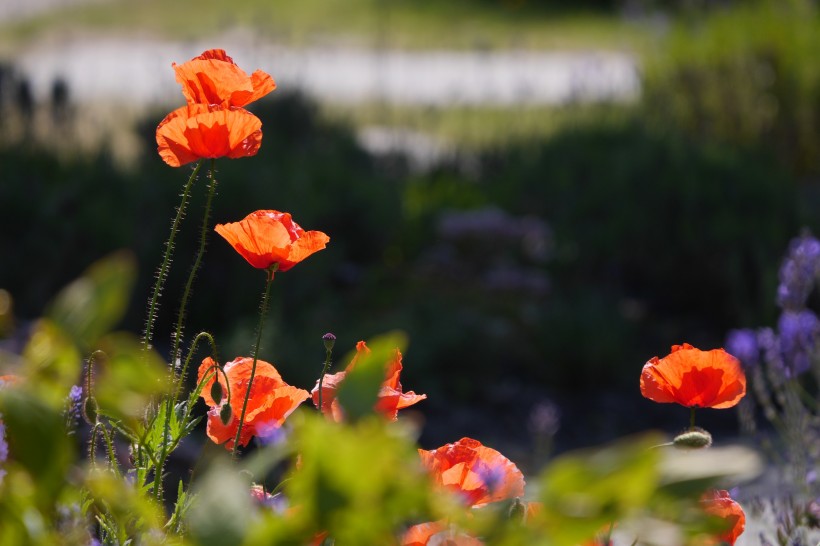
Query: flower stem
column 170, row 402
column 263, row 309
column 328, row 352
column 692, row 418
column 166, row 260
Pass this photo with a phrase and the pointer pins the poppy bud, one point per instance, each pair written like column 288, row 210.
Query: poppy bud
column 216, row 392
column 90, row 408
column 329, row 340
column 517, row 510
column 225, row 414
column 695, row 438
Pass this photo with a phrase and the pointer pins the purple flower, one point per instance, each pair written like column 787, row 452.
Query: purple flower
column 545, row 419
column 742, row 344
column 4, row 447
column 798, row 339
column 798, row 272
column 271, row 433
column 73, row 407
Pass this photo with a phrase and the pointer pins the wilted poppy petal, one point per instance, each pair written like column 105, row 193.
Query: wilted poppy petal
column 720, row 504
column 214, row 78
column 390, row 398
column 694, row 378
column 200, row 131
column 267, row 237
column 478, row 474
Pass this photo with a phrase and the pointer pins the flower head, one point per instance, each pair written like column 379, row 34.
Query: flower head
column 799, row 332
column 390, row 400
column 270, row 402
column 718, row 503
column 798, row 272
column 198, row 131
column 694, row 378
column 464, row 468
column 213, row 78
column 742, row 344
column 268, row 237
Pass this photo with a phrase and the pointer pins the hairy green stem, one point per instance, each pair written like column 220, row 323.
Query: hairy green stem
column 692, row 418
column 177, row 381
column 262, row 312
column 166, row 260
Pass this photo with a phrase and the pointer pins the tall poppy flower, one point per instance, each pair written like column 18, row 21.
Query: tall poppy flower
column 390, row 399
column 213, row 78
column 198, row 131
column 270, row 402
column 268, row 237
column 718, row 503
column 479, row 474
column 694, row 378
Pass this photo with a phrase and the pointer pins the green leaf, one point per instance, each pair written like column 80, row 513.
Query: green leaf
column 586, row 491
column 360, row 389
column 128, row 378
column 221, row 513
column 37, row 441
column 360, row 483
column 52, row 363
column 93, row 304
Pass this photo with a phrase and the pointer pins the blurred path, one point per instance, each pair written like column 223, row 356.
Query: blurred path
column 138, row 72
column 19, row 9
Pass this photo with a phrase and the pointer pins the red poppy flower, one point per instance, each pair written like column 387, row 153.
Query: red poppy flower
column 390, row 399
column 196, row 131
column 479, row 474
column 268, row 237
column 438, row 533
column 213, row 78
column 270, row 402
column 718, row 503
column 694, row 378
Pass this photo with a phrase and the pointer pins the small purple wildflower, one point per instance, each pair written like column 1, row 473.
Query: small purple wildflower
column 271, row 434
column 742, row 344
column 277, row 502
column 798, row 272
column 73, row 407
column 545, row 419
column 4, row 447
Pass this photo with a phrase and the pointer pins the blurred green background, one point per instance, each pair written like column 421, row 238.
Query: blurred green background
column 533, row 252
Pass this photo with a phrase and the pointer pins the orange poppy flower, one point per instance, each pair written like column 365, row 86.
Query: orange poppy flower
column 270, row 402
column 196, row 131
column 479, row 474
column 390, row 398
column 718, row 503
column 436, row 532
column 694, row 378
column 268, row 237
column 213, row 78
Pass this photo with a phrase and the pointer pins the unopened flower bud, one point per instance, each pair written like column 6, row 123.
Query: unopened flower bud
column 517, row 510
column 216, row 392
column 90, row 409
column 695, row 438
column 225, row 414
column 329, row 340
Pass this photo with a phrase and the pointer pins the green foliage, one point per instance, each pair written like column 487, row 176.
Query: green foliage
column 360, row 389
column 746, row 76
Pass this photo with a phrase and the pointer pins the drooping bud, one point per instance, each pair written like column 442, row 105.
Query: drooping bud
column 517, row 510
column 329, row 340
column 225, row 414
column 216, row 392
column 694, row 438
column 90, row 408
